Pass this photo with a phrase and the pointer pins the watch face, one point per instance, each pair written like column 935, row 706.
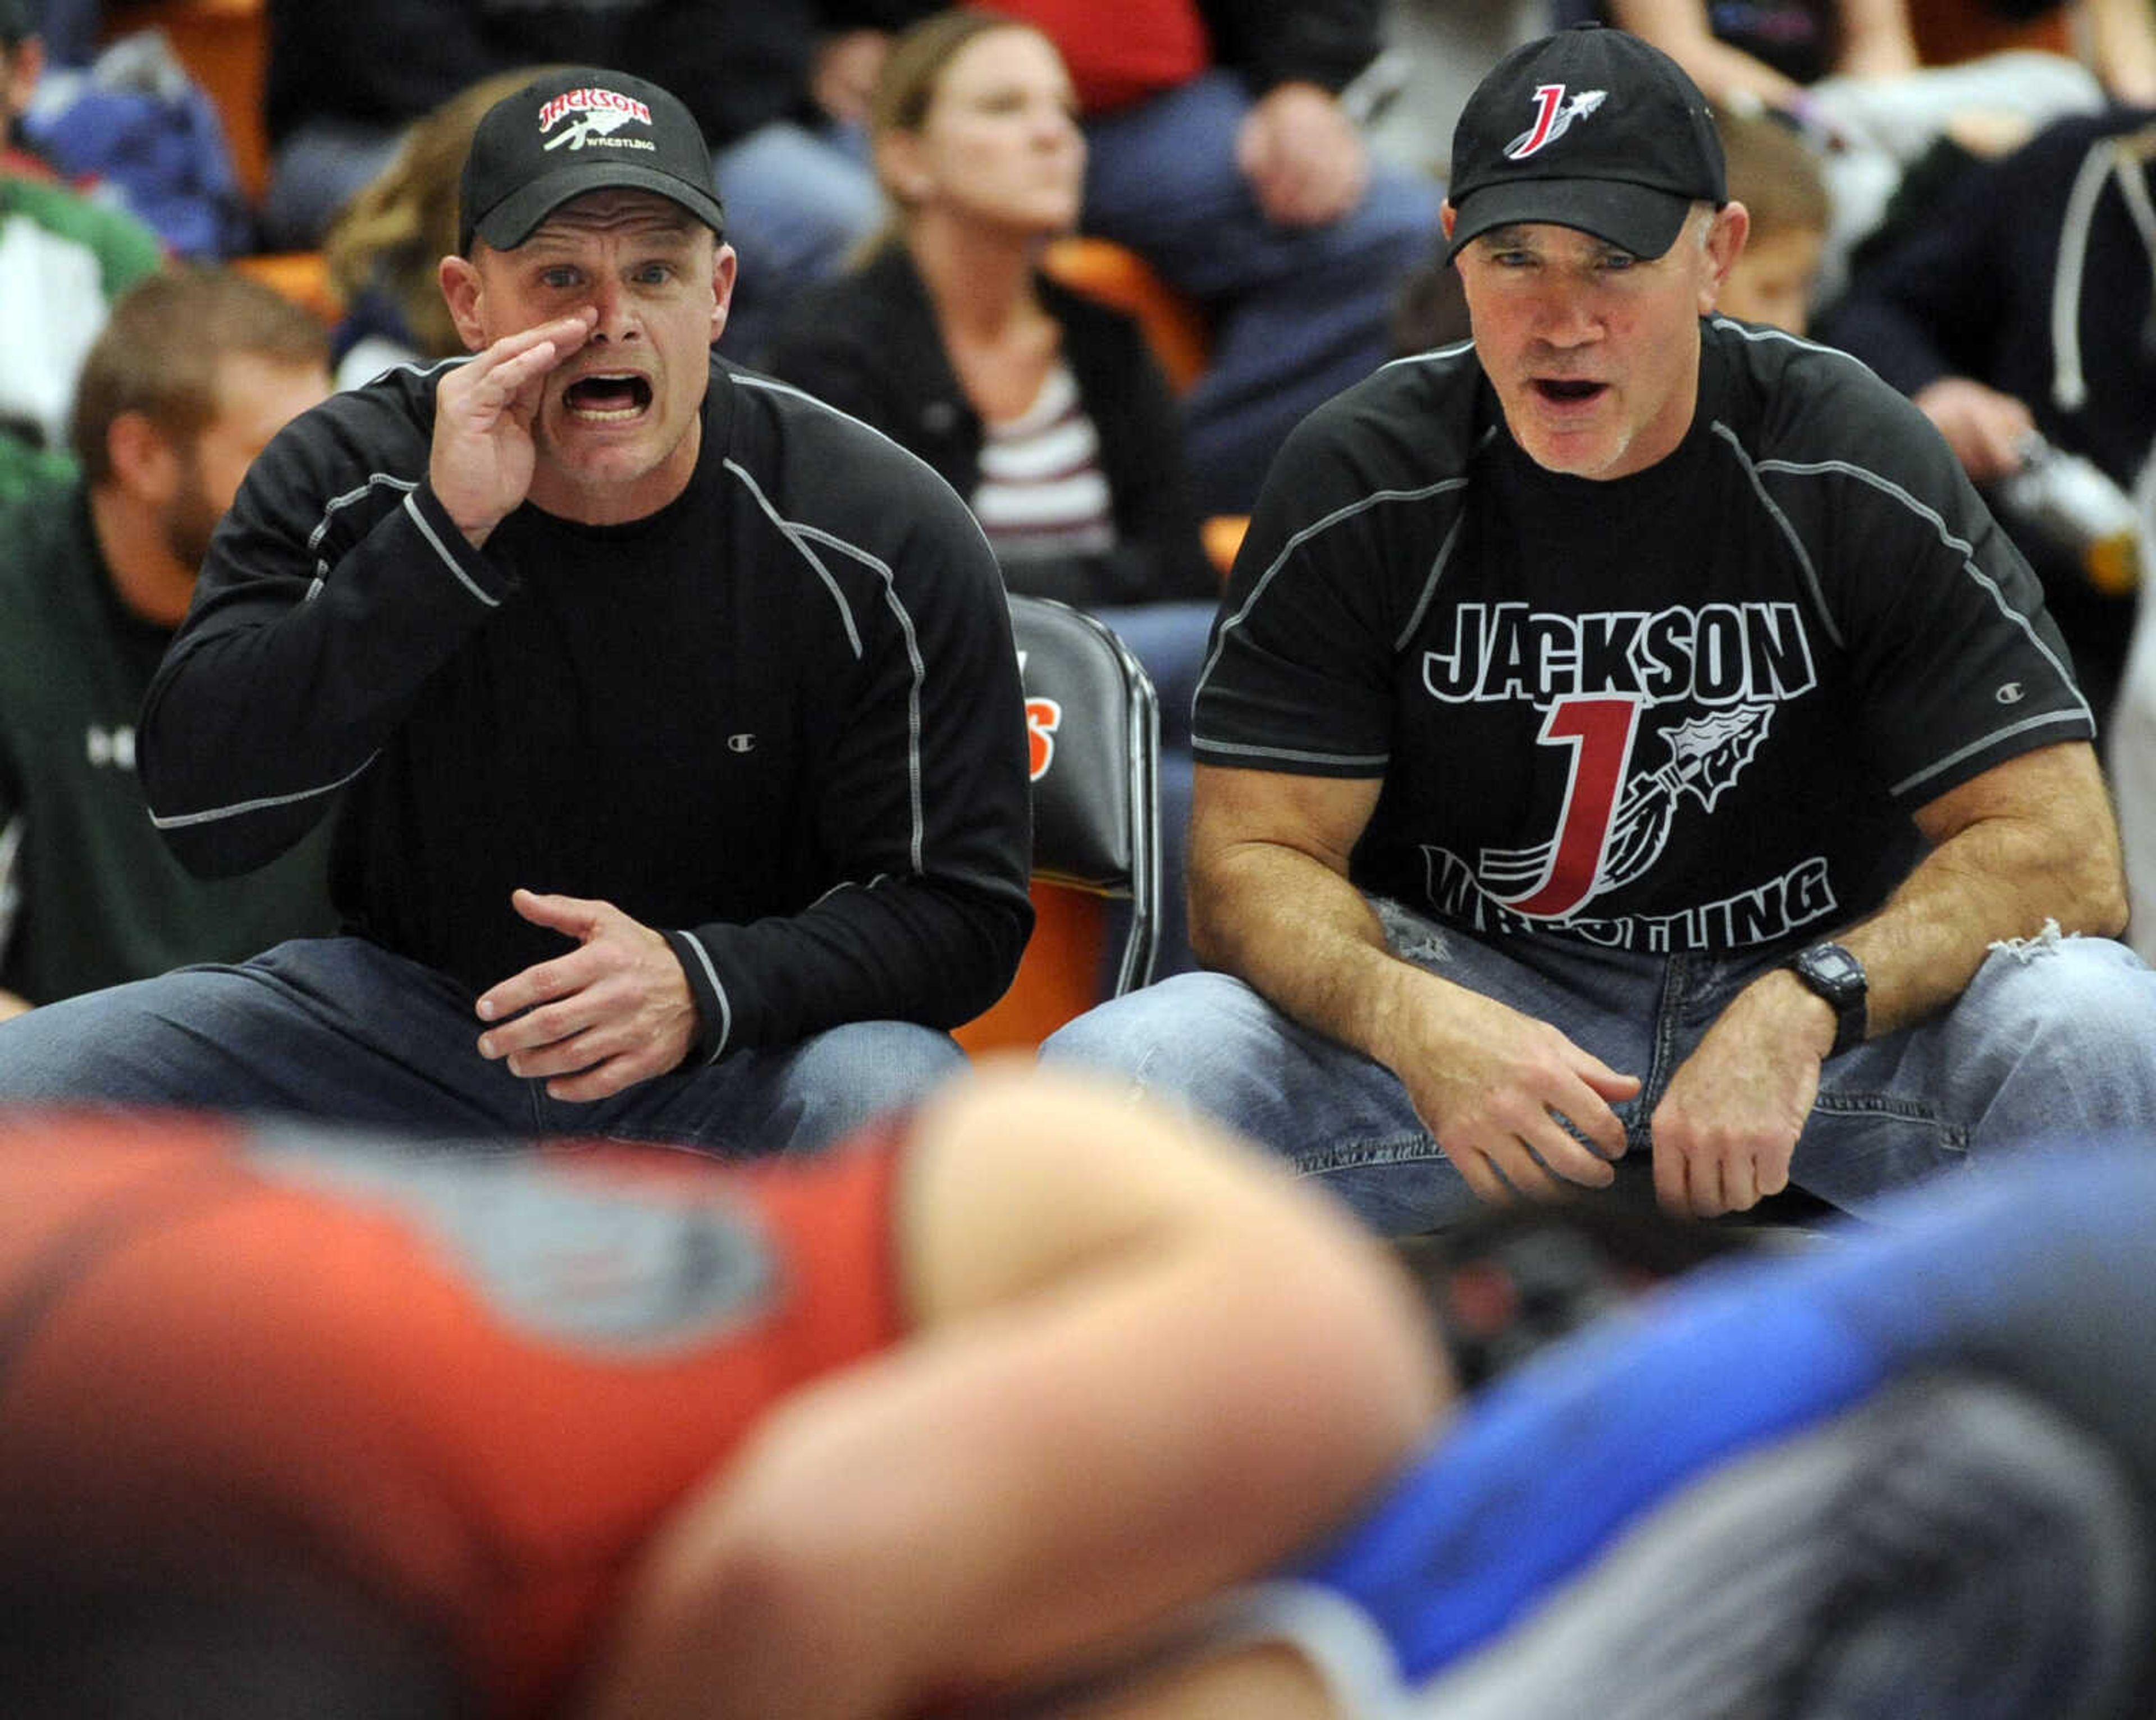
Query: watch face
column 1838, row 977
column 1836, row 967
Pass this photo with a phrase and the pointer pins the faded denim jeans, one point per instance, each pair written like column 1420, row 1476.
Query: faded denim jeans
column 2054, row 1038
column 340, row 1028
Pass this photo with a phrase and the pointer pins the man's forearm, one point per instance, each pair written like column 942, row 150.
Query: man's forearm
column 2001, row 878
column 1306, row 939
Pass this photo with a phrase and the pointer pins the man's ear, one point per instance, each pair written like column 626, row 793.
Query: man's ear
column 462, row 291
column 145, row 463
column 1726, row 235
column 725, row 266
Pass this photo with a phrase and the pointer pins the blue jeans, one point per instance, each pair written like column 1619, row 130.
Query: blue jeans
column 1299, row 313
column 340, row 1028
column 2054, row 1037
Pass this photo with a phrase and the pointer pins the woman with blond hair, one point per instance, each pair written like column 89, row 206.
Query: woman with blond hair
column 1046, row 411
column 383, row 251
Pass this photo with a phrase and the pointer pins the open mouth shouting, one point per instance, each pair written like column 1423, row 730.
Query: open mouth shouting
column 1568, row 391
column 608, row 397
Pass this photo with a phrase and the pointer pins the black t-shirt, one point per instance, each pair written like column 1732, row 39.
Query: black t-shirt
column 1692, row 709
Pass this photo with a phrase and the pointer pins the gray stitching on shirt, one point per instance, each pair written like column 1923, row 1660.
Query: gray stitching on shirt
column 800, row 535
column 1373, row 761
column 441, row 549
column 1960, row 546
column 1429, row 586
column 182, row 820
column 337, row 504
column 725, row 1008
column 1303, row 536
column 11, row 881
column 1788, row 529
column 797, row 537
column 2026, row 726
column 1967, row 553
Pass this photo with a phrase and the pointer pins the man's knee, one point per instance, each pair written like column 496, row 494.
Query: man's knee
column 2055, row 978
column 845, row 1077
column 1131, row 1035
column 2082, row 1005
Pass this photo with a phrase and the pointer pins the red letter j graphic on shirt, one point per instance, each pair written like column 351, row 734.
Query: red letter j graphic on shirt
column 1600, row 732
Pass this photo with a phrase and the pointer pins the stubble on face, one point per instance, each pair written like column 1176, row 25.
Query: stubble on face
column 617, row 427
column 1594, row 352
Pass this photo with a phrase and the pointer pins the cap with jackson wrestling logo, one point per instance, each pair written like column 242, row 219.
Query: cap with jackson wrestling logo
column 575, row 131
column 1589, row 128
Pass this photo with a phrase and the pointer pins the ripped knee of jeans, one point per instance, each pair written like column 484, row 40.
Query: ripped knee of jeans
column 2027, row 949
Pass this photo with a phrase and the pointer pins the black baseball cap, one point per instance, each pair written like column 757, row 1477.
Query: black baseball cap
column 572, row 131
column 1590, row 128
column 18, row 21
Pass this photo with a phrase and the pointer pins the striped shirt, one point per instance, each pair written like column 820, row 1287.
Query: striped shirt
column 1042, row 491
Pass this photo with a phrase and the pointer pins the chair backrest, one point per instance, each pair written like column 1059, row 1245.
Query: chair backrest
column 1174, row 327
column 1093, row 727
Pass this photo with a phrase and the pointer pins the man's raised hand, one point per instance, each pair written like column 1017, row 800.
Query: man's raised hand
column 484, row 451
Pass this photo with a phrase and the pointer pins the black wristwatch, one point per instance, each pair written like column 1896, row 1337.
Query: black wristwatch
column 1837, row 976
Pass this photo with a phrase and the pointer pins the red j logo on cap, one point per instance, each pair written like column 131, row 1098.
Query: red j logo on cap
column 1553, row 117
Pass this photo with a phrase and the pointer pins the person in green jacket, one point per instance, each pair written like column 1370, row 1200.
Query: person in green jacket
column 193, row 375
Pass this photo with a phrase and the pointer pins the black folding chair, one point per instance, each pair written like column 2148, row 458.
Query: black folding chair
column 1094, row 727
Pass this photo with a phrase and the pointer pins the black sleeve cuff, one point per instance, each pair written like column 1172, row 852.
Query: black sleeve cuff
column 714, row 1035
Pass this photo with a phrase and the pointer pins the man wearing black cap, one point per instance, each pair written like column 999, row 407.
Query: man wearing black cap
column 1626, row 729
column 672, row 720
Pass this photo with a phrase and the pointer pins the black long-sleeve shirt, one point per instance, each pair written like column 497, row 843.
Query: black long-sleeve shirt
column 779, row 719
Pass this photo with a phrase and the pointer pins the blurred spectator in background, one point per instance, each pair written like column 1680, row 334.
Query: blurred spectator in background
column 2016, row 312
column 63, row 259
column 2116, row 37
column 71, row 29
column 346, row 79
column 1220, row 153
column 192, row 376
column 1779, row 181
column 384, row 250
column 136, row 125
column 1045, row 410
column 1846, row 73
